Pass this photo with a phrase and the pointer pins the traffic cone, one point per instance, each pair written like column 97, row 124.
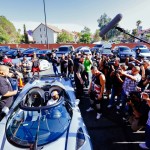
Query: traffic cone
column 20, row 83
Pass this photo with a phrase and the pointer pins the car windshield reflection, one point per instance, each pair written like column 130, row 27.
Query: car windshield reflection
column 25, row 127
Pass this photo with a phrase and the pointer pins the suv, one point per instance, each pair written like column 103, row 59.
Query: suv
column 97, row 48
column 64, row 49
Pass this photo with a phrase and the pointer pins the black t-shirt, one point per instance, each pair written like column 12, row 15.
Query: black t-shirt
column 63, row 64
column 70, row 64
column 5, row 86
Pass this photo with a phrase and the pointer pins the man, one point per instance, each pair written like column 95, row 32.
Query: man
column 79, row 78
column 87, row 65
column 6, row 90
column 26, row 69
column 96, row 90
column 55, row 62
column 132, row 78
column 54, row 98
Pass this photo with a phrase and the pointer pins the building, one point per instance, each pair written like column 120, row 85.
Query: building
column 39, row 34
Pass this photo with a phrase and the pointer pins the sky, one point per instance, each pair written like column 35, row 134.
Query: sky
column 75, row 15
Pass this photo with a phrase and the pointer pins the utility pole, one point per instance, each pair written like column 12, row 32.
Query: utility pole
column 45, row 24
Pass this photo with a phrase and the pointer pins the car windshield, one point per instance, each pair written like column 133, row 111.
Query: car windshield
column 30, row 51
column 10, row 52
column 98, row 45
column 86, row 50
column 42, row 51
column 63, row 49
column 106, row 51
column 145, row 51
column 125, row 49
column 27, row 127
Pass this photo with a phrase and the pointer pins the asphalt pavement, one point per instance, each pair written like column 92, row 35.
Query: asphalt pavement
column 110, row 132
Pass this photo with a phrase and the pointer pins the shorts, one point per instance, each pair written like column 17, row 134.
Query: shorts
column 35, row 69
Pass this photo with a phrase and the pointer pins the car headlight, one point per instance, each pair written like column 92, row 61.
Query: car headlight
column 80, row 138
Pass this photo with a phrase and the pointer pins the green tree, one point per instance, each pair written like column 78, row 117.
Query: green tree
column 8, row 32
column 85, row 35
column 138, row 23
column 26, row 39
column 85, row 38
column 64, row 37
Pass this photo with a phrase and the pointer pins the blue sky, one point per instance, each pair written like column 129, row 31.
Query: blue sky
column 75, row 14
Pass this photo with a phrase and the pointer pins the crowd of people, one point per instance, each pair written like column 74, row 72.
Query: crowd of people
column 126, row 85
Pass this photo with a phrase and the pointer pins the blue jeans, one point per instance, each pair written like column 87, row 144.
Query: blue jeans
column 147, row 133
column 55, row 70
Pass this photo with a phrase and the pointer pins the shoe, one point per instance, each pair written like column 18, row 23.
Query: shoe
column 98, row 116
column 89, row 109
column 143, row 146
column 109, row 106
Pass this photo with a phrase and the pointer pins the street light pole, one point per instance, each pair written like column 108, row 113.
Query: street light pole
column 45, row 24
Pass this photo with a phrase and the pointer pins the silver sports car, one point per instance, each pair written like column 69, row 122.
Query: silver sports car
column 32, row 124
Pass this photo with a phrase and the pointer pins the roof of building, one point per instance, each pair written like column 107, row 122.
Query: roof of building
column 55, row 29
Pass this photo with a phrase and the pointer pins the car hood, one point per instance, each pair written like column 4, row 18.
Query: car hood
column 125, row 53
column 145, row 54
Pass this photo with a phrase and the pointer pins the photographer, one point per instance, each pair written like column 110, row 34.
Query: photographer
column 117, row 82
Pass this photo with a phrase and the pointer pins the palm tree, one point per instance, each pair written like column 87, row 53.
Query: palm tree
column 138, row 24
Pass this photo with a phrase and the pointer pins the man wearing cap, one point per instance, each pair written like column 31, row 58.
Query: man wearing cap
column 54, row 98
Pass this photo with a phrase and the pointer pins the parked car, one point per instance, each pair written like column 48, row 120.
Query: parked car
column 140, row 47
column 144, row 52
column 44, row 54
column 64, row 49
column 3, row 50
column 29, row 52
column 32, row 123
column 97, row 48
column 11, row 53
column 106, row 52
column 123, row 51
column 83, row 51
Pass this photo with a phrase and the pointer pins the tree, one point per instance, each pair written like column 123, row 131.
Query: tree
column 64, row 37
column 85, row 38
column 86, row 30
column 25, row 35
column 96, row 36
column 138, row 24
column 8, row 32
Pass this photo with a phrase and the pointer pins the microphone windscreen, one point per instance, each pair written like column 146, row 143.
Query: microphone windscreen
column 111, row 25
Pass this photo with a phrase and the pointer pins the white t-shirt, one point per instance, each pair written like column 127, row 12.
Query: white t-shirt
column 51, row 102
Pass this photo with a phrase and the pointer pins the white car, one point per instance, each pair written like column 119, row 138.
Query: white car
column 32, row 124
column 44, row 64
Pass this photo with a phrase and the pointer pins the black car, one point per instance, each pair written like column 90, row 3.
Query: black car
column 11, row 54
column 29, row 52
column 44, row 54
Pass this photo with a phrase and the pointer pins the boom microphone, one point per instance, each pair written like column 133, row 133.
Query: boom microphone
column 110, row 25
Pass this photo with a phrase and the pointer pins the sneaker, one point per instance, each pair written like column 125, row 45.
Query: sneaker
column 143, row 146
column 89, row 109
column 98, row 116
column 109, row 106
